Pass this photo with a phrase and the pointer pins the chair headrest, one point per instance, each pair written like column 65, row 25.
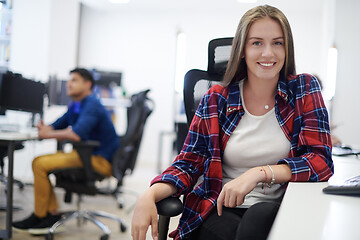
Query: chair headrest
column 218, row 55
column 140, row 97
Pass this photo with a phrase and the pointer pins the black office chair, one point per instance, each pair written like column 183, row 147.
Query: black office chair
column 3, row 154
column 196, row 83
column 131, row 141
column 82, row 180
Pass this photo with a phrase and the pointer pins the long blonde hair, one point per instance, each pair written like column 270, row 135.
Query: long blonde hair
column 236, row 68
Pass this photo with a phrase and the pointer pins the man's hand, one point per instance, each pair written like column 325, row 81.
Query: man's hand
column 44, row 130
column 47, row 131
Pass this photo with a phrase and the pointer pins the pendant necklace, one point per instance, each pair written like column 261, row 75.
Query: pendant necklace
column 266, row 107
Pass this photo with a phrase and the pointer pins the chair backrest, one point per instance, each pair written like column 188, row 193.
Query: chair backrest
column 125, row 157
column 197, row 82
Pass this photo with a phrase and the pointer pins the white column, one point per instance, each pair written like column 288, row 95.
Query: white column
column 44, row 37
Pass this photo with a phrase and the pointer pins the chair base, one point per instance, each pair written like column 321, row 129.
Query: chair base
column 121, row 201
column 118, row 193
column 90, row 216
column 4, row 180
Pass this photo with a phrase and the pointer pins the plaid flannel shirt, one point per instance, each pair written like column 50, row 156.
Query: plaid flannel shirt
column 302, row 116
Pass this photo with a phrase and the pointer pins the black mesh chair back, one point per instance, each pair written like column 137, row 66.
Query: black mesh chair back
column 197, row 82
column 125, row 158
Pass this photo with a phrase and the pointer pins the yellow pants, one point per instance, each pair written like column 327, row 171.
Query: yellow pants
column 45, row 199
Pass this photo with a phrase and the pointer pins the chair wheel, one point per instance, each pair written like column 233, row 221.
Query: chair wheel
column 121, row 205
column 49, row 236
column 122, row 227
column 21, row 186
column 104, row 237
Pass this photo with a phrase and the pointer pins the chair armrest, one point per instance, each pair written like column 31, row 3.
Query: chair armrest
column 86, row 144
column 169, row 207
column 85, row 150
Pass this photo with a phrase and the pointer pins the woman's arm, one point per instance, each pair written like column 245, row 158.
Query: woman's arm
column 311, row 157
column 145, row 213
column 233, row 193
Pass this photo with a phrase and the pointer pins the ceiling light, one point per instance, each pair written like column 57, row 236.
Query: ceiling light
column 330, row 83
column 247, row 1
column 119, row 1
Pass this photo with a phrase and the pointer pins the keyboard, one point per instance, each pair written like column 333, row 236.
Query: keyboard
column 351, row 187
column 8, row 127
column 344, row 150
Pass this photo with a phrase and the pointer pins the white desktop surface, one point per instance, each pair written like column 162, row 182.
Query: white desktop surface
column 9, row 139
column 18, row 136
column 307, row 213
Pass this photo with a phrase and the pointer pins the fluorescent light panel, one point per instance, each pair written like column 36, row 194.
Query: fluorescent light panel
column 331, row 73
column 119, row 1
column 247, row 1
column 180, row 62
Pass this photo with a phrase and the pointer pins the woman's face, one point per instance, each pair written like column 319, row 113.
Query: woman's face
column 265, row 50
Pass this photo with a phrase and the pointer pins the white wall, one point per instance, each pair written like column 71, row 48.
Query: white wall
column 142, row 44
column 346, row 111
column 44, row 37
column 64, row 33
column 30, row 38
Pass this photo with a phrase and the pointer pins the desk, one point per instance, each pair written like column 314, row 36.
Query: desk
column 307, row 213
column 9, row 139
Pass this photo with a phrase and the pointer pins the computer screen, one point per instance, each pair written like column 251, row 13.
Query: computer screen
column 105, row 78
column 19, row 93
column 56, row 88
column 56, row 91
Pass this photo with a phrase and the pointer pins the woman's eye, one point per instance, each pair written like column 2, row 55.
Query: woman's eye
column 278, row 43
column 257, row 43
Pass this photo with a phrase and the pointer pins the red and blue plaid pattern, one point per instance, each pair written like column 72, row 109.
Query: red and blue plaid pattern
column 301, row 114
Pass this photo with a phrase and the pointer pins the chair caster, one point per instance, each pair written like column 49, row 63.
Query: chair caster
column 20, row 185
column 122, row 227
column 104, row 237
column 49, row 236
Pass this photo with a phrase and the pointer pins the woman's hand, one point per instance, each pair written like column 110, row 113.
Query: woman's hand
column 145, row 212
column 234, row 192
column 145, row 215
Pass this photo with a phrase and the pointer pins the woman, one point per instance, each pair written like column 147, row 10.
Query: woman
column 263, row 127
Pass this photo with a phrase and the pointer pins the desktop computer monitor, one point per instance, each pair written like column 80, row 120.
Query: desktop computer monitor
column 56, row 88
column 56, row 92
column 21, row 94
column 106, row 79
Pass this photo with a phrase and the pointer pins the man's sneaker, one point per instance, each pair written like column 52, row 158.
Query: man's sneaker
column 27, row 223
column 44, row 226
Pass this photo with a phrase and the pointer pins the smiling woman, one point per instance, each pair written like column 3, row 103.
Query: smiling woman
column 264, row 57
column 277, row 125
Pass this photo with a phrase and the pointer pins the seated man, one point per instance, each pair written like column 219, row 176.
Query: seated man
column 85, row 119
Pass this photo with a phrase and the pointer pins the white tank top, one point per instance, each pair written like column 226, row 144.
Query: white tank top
column 256, row 141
